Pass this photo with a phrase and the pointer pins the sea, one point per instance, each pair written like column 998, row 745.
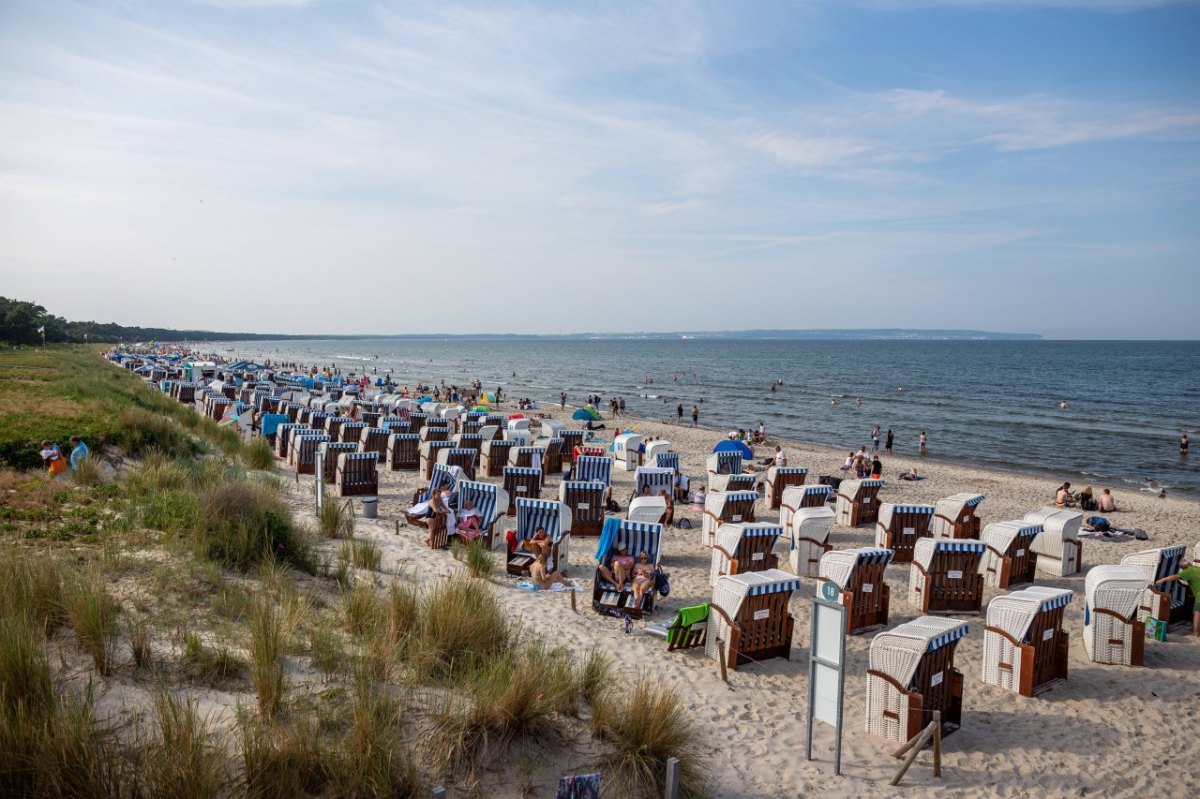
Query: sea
column 994, row 404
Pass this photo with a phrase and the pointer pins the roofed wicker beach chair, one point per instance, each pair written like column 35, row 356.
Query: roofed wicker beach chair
column 333, row 426
column 1024, row 645
column 417, row 420
column 749, row 618
column 403, row 452
column 1059, row 550
column 721, row 464
column 808, row 533
column 586, row 501
column 911, row 674
column 555, row 519
column 666, row 460
column 595, row 468
column 521, row 482
column 653, row 450
column 797, row 497
column 857, row 502
column 304, row 447
column 1169, row 603
column 779, row 479
column 374, row 439
column 352, row 431
column 552, row 462
column 862, row 589
column 1010, row 558
column 647, row 509
column 395, row 424
column 636, row 537
column 330, row 450
column 494, row 456
column 947, row 575
column 370, row 418
column 724, row 507
column 491, row 501
column 571, row 440
column 900, row 526
column 519, row 436
column 430, row 453
column 1112, row 631
column 464, row 458
column 356, row 474
column 656, row 479
column 490, row 432
column 469, row 441
column 434, row 431
column 283, row 437
column 527, row 456
column 957, row 516
column 744, row 547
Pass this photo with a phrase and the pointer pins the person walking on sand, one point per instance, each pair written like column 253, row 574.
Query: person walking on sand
column 921, row 442
column 1190, row 575
column 679, row 412
column 695, row 416
column 875, row 438
column 887, row 442
column 562, row 400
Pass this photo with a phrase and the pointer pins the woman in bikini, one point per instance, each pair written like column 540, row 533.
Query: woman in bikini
column 643, row 578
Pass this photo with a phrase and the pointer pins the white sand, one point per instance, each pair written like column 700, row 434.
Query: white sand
column 1107, row 730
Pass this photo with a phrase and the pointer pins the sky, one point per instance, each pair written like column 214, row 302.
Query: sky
column 541, row 167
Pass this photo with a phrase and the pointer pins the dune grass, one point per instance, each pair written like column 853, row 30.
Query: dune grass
column 245, row 522
column 92, row 614
column 266, row 657
column 283, row 761
column 88, row 471
column 31, row 583
column 376, row 757
column 181, row 760
column 336, row 519
column 258, row 454
column 207, row 664
column 362, row 553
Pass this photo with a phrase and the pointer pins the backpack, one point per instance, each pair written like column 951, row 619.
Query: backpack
column 684, row 524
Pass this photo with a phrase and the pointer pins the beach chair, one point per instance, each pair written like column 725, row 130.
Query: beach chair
column 779, row 479
column 374, row 439
column 666, row 460
column 521, row 482
column 396, row 424
column 947, row 575
column 593, row 468
column 1059, row 550
column 429, row 432
column 957, row 516
column 725, row 507
column 744, row 547
column 555, row 518
column 370, row 418
column 1112, row 632
column 519, row 436
column 333, row 426
column 283, row 437
column 317, row 420
column 647, row 509
column 494, row 456
column 625, row 451
column 552, row 461
column 417, row 420
column 491, row 501
column 403, row 452
column 636, row 537
column 689, row 628
column 911, row 674
column 430, row 452
column 490, row 432
column 1168, row 603
column 653, row 450
column 472, row 426
column 352, row 431
column 1024, row 645
column 439, row 535
column 808, row 530
column 749, row 617
column 550, row 428
column 305, row 446
column 654, row 478
column 529, row 457
column 356, row 474
column 862, row 589
column 721, row 466
column 571, row 439
column 797, row 497
column 330, row 450
column 1010, row 558
column 586, row 501
column 463, row 458
column 900, row 526
column 469, row 441
column 857, row 502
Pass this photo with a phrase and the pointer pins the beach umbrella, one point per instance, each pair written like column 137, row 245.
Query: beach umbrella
column 585, row 414
column 488, row 396
column 483, row 408
column 733, row 445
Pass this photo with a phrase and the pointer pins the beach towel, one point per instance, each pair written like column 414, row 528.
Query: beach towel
column 555, row 588
column 685, row 618
column 608, row 534
column 580, row 786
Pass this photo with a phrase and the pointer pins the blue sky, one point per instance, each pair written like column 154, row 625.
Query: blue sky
column 333, row 166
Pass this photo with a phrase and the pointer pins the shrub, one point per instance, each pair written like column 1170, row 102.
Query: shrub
column 88, row 471
column 364, row 554
column 181, row 760
column 243, row 522
column 258, row 454
column 139, row 430
column 461, row 624
column 25, row 684
column 159, row 472
column 282, row 762
column 93, row 616
column 209, row 665
column 266, row 657
column 31, row 585
column 335, row 519
column 363, row 610
column 480, row 562
column 376, row 759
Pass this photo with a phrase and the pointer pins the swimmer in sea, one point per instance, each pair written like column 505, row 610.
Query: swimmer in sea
column 833, row 401
column 858, row 402
column 1063, row 405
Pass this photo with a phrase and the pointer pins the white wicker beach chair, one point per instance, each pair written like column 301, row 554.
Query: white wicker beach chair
column 749, row 617
column 651, row 510
column 1024, row 644
column 721, row 464
column 797, row 497
column 808, row 532
column 625, row 451
column 911, row 673
column 779, row 479
column 947, row 575
column 742, row 547
column 857, row 502
column 1169, row 603
column 1059, row 551
column 527, row 456
column 1010, row 558
column 900, row 526
column 957, row 516
column 724, row 507
column 653, row 450
column 862, row 588
column 1112, row 632
column 522, row 438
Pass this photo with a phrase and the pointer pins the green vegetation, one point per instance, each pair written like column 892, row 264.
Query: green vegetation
column 335, row 519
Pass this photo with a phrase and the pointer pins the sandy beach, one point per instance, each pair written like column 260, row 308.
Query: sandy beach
column 1108, row 730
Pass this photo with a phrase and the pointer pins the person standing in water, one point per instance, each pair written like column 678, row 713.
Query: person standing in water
column 679, row 412
column 887, row 442
column 695, row 416
column 921, row 444
column 1183, row 442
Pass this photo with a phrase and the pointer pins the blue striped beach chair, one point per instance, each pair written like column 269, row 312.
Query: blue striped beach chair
column 552, row 463
column 374, row 439
column 357, row 474
column 397, row 424
column 720, row 465
column 333, row 426
column 404, row 452
column 749, row 619
column 283, row 437
column 586, row 502
column 779, row 479
column 910, row 674
column 1168, row 603
column 521, row 482
column 304, row 450
column 329, row 457
column 527, row 456
column 636, row 537
column 469, row 441
column 490, row 500
column 724, row 507
column 667, row 460
column 900, row 526
column 862, row 589
column 744, row 547
column 947, row 575
column 857, row 502
column 593, row 468
column 463, row 457
column 352, row 431
column 655, row 479
column 555, row 519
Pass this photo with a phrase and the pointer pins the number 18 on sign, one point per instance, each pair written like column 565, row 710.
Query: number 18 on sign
column 827, row 667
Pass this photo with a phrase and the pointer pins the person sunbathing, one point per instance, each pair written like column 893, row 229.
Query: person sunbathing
column 643, row 578
column 540, row 543
column 669, row 517
column 1106, row 501
column 619, row 567
column 540, row 575
column 469, row 521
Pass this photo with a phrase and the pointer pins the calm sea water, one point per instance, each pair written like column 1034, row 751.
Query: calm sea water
column 991, row 403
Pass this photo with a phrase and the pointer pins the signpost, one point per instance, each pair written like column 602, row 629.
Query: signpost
column 320, row 482
column 827, row 667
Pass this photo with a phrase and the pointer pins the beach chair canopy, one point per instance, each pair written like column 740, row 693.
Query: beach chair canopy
column 656, row 478
column 647, row 509
column 888, row 509
column 593, row 468
column 898, row 652
column 667, row 460
column 925, row 549
column 549, row 514
column 1001, row 535
column 1015, row 612
column 1116, row 588
column 731, row 592
column 491, row 501
column 840, row 564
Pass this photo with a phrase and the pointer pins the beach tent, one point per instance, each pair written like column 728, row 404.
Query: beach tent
column 584, row 415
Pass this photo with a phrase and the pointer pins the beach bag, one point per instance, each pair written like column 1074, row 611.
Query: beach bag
column 662, row 583
column 684, row 524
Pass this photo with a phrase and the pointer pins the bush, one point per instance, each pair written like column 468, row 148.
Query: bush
column 93, row 616
column 266, row 657
column 139, row 430
column 31, row 585
column 139, row 643
column 335, row 519
column 244, row 522
column 282, row 762
column 181, row 760
column 159, row 472
column 258, row 454
column 461, row 625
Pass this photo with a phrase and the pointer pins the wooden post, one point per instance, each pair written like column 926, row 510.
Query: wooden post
column 937, row 743
column 672, row 782
column 721, row 660
column 920, row 742
column 397, row 527
column 573, row 600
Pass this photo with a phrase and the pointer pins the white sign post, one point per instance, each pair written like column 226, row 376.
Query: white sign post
column 320, row 482
column 827, row 667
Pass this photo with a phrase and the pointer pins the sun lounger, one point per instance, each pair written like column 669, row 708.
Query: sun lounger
column 857, row 502
column 1024, row 644
column 1112, row 631
column 779, row 479
column 957, row 516
column 494, row 456
column 521, row 482
column 1169, row 603
column 947, row 575
column 1059, row 550
column 356, row 474
column 724, row 507
column 749, row 617
column 647, row 509
column 1010, row 558
column 911, row 674
column 403, row 452
column 636, row 537
column 586, row 501
column 862, row 589
column 744, row 547
column 900, row 526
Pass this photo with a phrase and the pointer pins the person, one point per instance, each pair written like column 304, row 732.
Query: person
column 52, row 459
column 1063, row 497
column 1106, row 502
column 469, row 521
column 540, row 574
column 910, row 476
column 762, row 432
column 833, row 401
column 695, row 416
column 849, row 463
column 858, row 402
column 619, row 566
column 540, row 543
column 1183, row 444
column 876, row 468
column 669, row 516
column 780, row 458
column 562, row 400
column 1085, row 499
column 887, row 442
column 1190, row 574
column 79, row 451
column 875, row 438
column 681, row 487
column 1063, row 405
column 921, row 443
column 679, row 412
column 643, row 578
